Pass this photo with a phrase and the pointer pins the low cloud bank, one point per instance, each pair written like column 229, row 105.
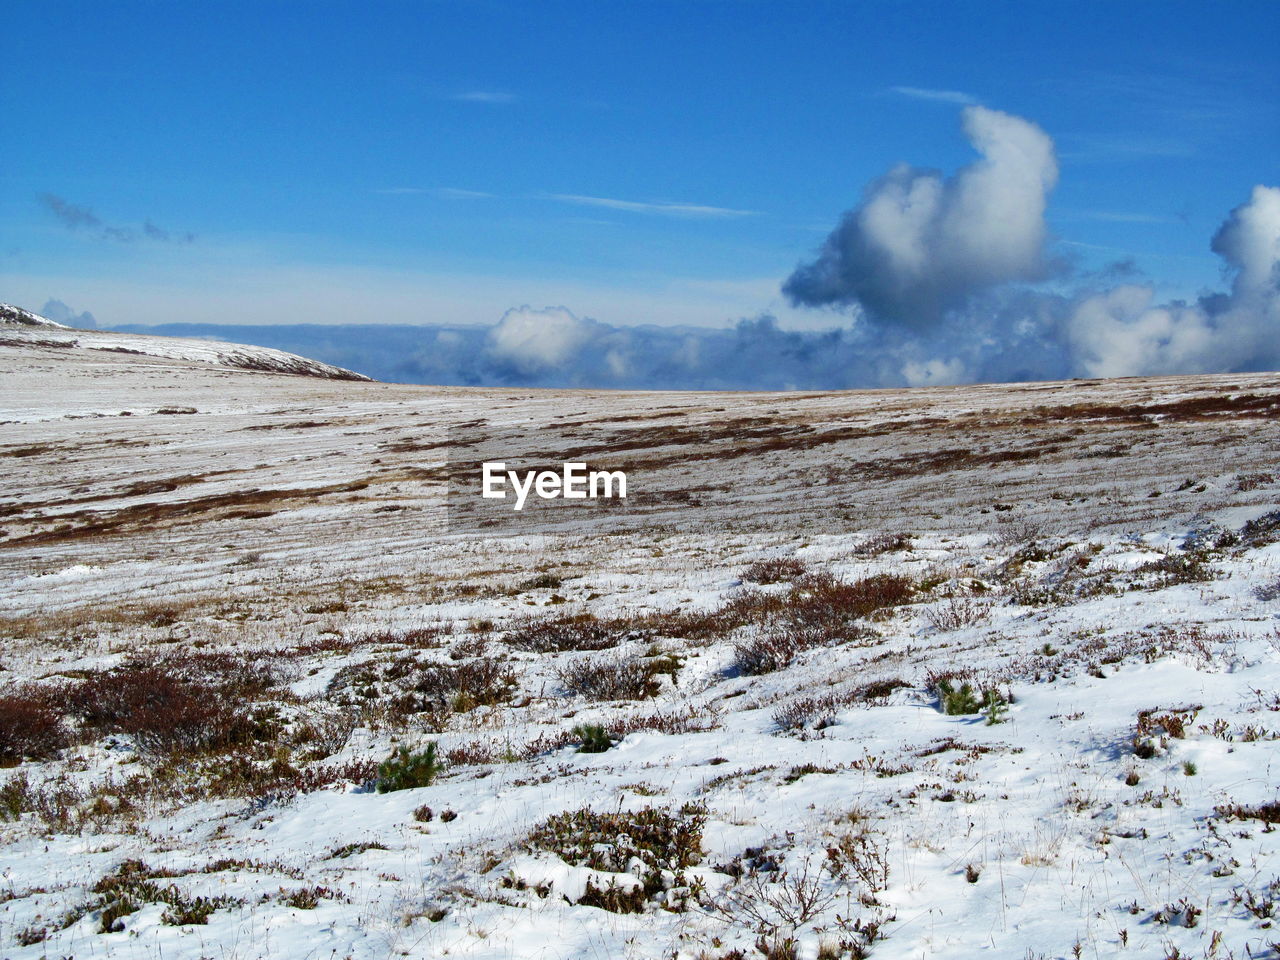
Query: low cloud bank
column 935, row 279
column 552, row 347
column 1004, row 332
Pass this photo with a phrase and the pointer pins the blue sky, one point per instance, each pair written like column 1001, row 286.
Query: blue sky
column 633, row 162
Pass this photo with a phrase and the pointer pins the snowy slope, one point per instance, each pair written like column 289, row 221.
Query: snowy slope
column 10, row 314
column 22, row 328
column 1103, row 556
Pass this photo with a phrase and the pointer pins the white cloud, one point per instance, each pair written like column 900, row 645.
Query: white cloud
column 484, row 96
column 453, row 193
column 691, row 210
column 920, row 244
column 935, row 372
column 939, row 96
column 1122, row 333
column 536, row 341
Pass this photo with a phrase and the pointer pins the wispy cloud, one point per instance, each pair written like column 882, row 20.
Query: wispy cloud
column 442, row 193
column 939, row 96
column 1121, row 216
column 1124, row 147
column 660, row 208
column 74, row 217
column 453, row 193
column 688, row 211
column 484, row 96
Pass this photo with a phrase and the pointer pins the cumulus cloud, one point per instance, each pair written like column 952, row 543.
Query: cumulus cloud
column 59, row 312
column 941, row 276
column 533, row 342
column 1250, row 242
column 1122, row 332
column 920, row 244
column 74, row 217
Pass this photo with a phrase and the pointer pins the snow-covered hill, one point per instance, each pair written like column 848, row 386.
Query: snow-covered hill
column 9, row 314
column 22, row 328
column 970, row 672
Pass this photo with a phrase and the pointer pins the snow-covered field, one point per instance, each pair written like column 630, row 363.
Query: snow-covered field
column 227, row 595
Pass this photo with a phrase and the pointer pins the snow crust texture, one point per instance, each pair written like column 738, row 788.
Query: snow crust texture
column 963, row 672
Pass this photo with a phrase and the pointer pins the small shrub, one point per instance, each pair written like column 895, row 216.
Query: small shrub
column 560, row 634
column 778, row 948
column 133, row 885
column 307, row 898
column 882, row 543
column 818, row 610
column 405, row 771
column 595, row 739
column 30, row 936
column 956, row 613
column 182, row 705
column 30, row 728
column 1176, row 568
column 352, row 849
column 327, row 735
column 662, row 840
column 996, row 709
column 1262, row 906
column 423, row 814
column 830, row 600
column 775, row 570
column 964, row 699
column 1171, row 723
column 60, row 804
column 615, row 899
column 1189, row 768
column 776, row 901
column 611, row 678
column 1260, row 532
column 795, row 774
column 957, row 700
column 816, row 713
column 1268, row 591
column 766, row 652
column 1266, row 812
column 543, row 581
column 459, row 687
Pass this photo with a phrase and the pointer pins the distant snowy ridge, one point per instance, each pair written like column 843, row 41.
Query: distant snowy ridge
column 16, row 324
column 11, row 314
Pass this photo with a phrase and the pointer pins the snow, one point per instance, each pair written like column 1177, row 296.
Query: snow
column 20, row 327
column 259, row 526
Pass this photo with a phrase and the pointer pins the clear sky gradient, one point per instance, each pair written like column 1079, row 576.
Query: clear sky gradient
column 665, row 163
